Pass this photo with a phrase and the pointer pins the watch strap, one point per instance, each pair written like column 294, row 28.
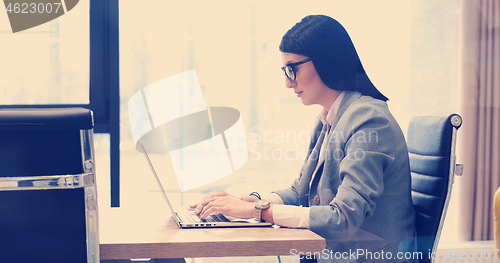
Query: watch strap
column 257, row 215
column 258, row 209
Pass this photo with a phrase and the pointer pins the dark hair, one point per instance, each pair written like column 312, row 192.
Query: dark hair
column 328, row 45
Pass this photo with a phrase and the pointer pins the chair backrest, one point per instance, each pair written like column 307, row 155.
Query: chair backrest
column 48, row 199
column 431, row 146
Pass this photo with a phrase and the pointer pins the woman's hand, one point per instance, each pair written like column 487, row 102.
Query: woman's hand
column 226, row 204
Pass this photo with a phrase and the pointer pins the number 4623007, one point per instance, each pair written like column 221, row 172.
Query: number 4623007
column 32, row 8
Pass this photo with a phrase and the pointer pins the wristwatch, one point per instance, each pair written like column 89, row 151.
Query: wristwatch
column 259, row 206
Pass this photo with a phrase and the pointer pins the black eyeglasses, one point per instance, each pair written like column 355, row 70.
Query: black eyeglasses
column 289, row 69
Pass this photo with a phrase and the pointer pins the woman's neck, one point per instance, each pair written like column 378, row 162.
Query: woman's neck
column 329, row 98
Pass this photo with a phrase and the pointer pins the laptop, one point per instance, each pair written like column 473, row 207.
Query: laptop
column 187, row 218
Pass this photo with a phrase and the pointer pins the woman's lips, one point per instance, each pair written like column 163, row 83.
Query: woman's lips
column 298, row 93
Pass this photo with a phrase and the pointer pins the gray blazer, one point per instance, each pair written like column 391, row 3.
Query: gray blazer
column 360, row 196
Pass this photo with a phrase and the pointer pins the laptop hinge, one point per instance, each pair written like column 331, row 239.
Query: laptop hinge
column 178, row 217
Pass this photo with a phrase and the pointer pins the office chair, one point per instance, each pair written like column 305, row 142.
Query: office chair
column 496, row 218
column 48, row 197
column 431, row 146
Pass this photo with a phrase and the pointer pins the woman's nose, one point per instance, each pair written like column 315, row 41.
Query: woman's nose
column 289, row 83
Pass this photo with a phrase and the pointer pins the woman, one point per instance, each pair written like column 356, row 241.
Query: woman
column 354, row 187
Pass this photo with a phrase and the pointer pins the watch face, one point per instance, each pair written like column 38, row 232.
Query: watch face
column 261, row 204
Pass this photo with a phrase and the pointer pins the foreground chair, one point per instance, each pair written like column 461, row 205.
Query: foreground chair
column 48, row 198
column 431, row 145
column 496, row 218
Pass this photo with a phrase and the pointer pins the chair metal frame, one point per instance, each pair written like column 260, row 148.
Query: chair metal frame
column 71, row 181
column 454, row 170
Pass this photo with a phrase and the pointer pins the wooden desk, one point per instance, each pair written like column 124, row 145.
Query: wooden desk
column 143, row 233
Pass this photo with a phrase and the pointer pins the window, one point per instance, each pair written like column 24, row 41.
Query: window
column 48, row 64
column 71, row 61
column 234, row 49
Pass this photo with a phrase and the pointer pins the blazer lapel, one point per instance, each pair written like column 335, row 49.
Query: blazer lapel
column 349, row 97
column 309, row 168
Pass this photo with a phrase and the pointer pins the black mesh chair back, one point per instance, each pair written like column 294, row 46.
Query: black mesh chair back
column 48, row 201
column 431, row 145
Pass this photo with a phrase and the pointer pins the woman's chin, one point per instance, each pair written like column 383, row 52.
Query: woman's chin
column 306, row 102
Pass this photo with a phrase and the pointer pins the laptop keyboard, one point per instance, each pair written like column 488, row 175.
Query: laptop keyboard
column 214, row 217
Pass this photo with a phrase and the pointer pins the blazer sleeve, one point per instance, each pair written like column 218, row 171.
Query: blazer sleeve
column 368, row 154
column 290, row 196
